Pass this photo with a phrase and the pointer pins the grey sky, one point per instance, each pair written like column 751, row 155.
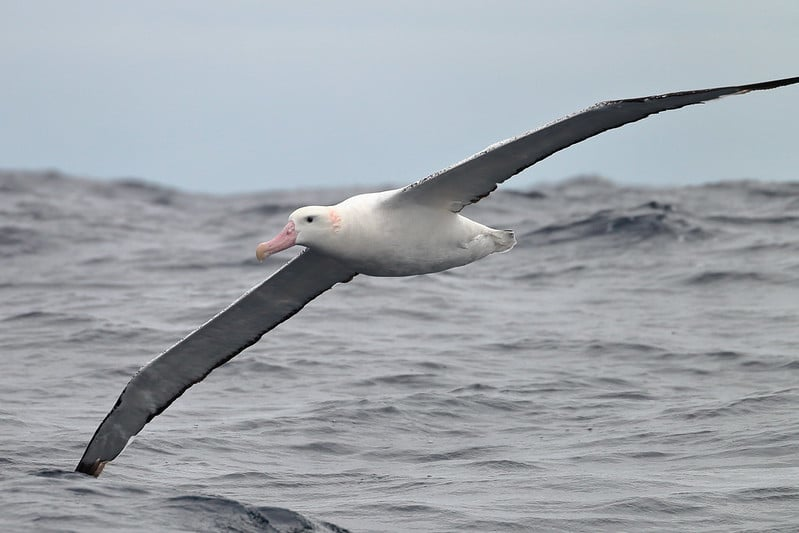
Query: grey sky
column 247, row 95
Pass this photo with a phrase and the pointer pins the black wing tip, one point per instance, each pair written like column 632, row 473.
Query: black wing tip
column 773, row 84
column 91, row 469
column 730, row 89
column 759, row 86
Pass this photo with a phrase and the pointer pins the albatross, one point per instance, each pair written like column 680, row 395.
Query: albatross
column 417, row 229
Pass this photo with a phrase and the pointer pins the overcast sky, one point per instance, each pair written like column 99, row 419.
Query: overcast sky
column 238, row 95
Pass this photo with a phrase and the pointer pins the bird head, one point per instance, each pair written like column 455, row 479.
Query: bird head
column 307, row 226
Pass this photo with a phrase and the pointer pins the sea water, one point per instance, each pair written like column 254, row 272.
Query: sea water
column 633, row 364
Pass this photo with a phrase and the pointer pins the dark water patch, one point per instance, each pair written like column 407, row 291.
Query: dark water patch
column 433, row 399
column 506, row 346
column 58, row 473
column 770, row 247
column 746, row 405
column 305, row 362
column 765, row 494
column 431, row 365
column 153, row 193
column 531, row 194
column 751, row 220
column 753, row 187
column 446, row 414
column 183, row 265
column 15, row 235
column 723, row 355
column 649, row 221
column 413, row 380
column 505, row 526
column 138, row 184
column 209, row 513
column 557, row 273
column 257, row 366
column 496, row 403
column 48, row 318
column 29, row 180
column 614, row 439
column 604, row 381
column 656, row 206
column 9, row 184
column 410, row 508
column 715, row 277
column 651, row 505
column 700, row 357
column 623, row 348
column 107, row 334
column 624, row 395
column 383, row 410
column 505, row 466
column 473, row 387
column 247, row 476
column 773, row 457
column 158, row 446
column 649, row 454
column 16, row 241
column 790, row 365
column 364, row 412
column 325, row 448
column 98, row 260
column 469, row 452
column 43, row 212
column 548, row 387
column 84, row 491
column 771, row 190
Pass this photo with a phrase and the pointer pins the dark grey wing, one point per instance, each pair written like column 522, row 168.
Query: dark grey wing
column 474, row 178
column 166, row 377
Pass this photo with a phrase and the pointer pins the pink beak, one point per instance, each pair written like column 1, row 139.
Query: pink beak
column 285, row 239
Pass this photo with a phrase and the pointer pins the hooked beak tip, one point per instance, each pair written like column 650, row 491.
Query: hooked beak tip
column 262, row 251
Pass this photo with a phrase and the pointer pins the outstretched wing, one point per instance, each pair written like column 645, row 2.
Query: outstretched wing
column 474, row 178
column 166, row 377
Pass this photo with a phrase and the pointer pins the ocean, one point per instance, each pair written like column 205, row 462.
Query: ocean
column 632, row 365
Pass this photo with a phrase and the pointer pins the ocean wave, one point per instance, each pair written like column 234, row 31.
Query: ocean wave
column 746, row 405
column 644, row 222
column 215, row 513
column 714, row 277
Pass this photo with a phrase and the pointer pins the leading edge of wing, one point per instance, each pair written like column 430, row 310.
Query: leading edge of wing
column 476, row 177
column 159, row 383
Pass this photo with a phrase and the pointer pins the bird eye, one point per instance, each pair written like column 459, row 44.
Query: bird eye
column 309, row 219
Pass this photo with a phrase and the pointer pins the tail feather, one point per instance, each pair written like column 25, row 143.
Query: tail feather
column 504, row 240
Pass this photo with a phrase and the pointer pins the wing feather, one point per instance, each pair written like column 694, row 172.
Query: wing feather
column 476, row 177
column 165, row 378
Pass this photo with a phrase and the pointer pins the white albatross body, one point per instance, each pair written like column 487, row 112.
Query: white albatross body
column 383, row 234
column 403, row 232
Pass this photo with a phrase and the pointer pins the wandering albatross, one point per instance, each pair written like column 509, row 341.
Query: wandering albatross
column 403, row 232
